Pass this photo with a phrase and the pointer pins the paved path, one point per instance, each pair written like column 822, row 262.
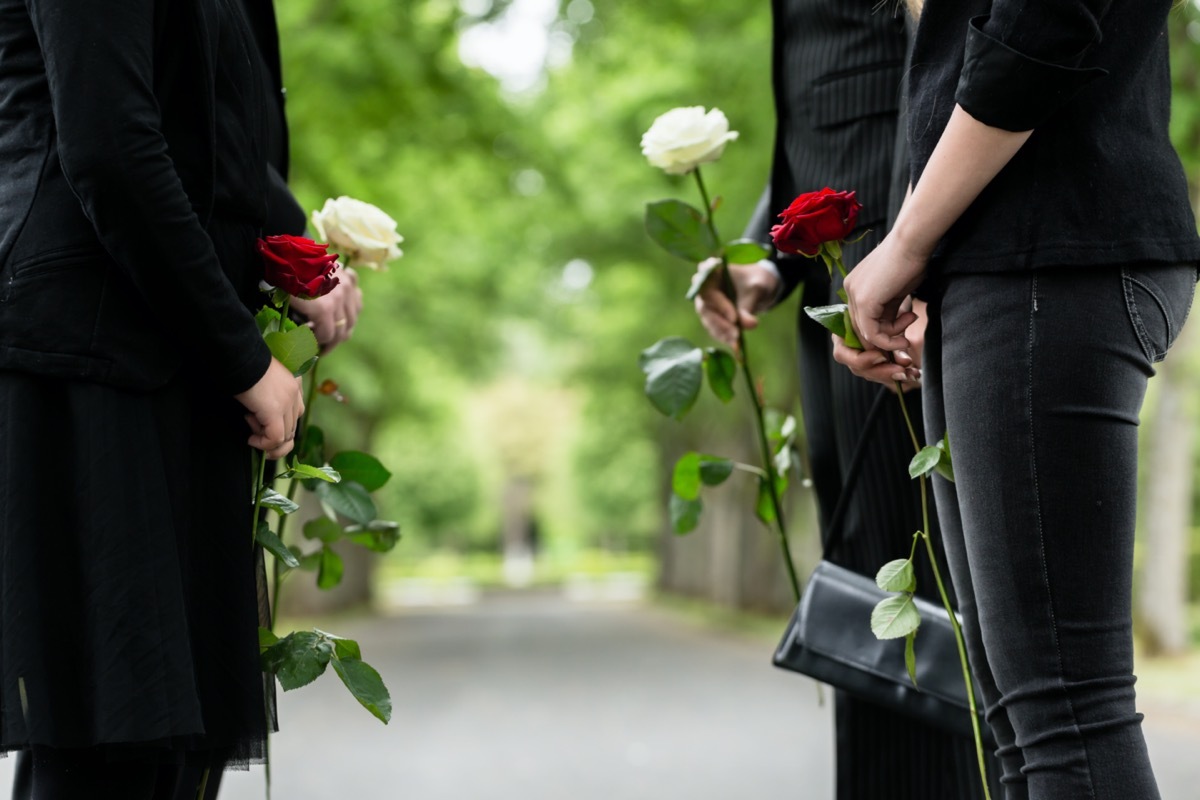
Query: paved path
column 534, row 698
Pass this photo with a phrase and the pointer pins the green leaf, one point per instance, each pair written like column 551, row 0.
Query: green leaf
column 897, row 576
column 722, row 370
column 685, row 514
column 895, row 616
column 700, row 276
column 310, row 562
column 674, row 369
column 714, row 470
column 267, row 320
column 746, row 251
column 834, row 248
column 294, row 349
column 298, row 659
column 332, row 568
column 327, row 474
column 381, row 536
column 680, row 230
column 764, row 509
column 274, row 545
column 348, row 499
column 322, row 529
column 266, row 638
column 945, row 465
column 850, row 336
column 925, row 461
column 366, row 685
column 831, row 318
column 273, row 499
column 685, row 480
column 342, row 648
column 362, row 468
column 910, row 657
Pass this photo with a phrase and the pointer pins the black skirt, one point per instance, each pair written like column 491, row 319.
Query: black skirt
column 128, row 603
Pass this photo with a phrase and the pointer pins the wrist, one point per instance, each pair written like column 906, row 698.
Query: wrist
column 768, row 284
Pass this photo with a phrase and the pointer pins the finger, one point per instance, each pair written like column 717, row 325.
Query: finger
column 719, row 328
column 323, row 327
column 749, row 321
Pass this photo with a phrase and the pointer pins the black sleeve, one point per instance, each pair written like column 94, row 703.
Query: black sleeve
column 99, row 59
column 759, row 229
column 1023, row 60
column 284, row 214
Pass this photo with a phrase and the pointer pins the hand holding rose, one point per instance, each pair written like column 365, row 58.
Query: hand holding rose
column 756, row 286
column 333, row 317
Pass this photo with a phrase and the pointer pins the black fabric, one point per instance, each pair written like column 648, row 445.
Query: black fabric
column 1007, row 89
column 850, row 143
column 107, row 158
column 127, row 585
column 1065, row 198
column 1039, row 524
column 128, row 606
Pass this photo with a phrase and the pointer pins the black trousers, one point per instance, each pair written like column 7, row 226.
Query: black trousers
column 46, row 774
column 1039, row 378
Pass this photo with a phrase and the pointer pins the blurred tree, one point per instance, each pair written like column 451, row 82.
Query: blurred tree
column 1170, row 478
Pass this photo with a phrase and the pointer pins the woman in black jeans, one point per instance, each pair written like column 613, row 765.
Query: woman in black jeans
column 1049, row 228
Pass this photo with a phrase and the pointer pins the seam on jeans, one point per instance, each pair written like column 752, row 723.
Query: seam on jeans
column 1135, row 318
column 1159, row 355
column 1037, row 507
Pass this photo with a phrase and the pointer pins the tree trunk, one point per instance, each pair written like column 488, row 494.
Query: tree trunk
column 1163, row 591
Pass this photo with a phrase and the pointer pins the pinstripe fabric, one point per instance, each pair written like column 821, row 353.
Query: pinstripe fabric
column 838, row 66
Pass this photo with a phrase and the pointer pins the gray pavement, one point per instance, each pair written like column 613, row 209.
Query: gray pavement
column 536, row 698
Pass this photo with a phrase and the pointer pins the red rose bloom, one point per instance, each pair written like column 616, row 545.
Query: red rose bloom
column 814, row 218
column 299, row 266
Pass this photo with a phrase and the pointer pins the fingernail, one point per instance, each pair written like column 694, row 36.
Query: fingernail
column 899, row 376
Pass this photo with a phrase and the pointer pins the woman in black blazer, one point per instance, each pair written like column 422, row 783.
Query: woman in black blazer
column 131, row 375
column 838, row 70
column 1049, row 227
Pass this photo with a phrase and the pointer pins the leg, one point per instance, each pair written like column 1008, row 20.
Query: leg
column 1042, row 380
column 73, row 774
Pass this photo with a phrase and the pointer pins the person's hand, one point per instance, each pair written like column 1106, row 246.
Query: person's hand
column 900, row 366
column 877, row 290
column 756, row 286
column 275, row 404
column 333, row 316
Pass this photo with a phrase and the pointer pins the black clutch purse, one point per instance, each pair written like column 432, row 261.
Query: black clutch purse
column 829, row 638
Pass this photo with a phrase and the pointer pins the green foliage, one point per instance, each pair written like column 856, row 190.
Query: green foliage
column 895, row 616
column 680, row 229
column 301, row 657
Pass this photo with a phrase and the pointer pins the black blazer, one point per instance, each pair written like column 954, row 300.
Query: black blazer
column 106, row 163
column 837, row 93
column 1098, row 182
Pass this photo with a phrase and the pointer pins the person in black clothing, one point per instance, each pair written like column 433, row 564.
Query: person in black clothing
column 838, row 69
column 131, row 375
column 1032, row 126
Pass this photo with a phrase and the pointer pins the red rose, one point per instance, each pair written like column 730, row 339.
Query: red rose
column 299, row 266
column 814, row 218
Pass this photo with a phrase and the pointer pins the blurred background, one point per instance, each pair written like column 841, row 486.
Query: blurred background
column 543, row 632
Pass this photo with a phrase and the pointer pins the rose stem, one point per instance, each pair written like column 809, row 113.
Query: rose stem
column 751, row 388
column 294, row 485
column 941, row 586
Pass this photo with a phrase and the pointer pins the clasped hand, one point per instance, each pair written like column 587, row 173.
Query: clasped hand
column 889, row 322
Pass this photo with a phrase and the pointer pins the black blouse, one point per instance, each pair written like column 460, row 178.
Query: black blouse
column 1098, row 181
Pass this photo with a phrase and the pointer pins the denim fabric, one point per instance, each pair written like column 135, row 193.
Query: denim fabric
column 1039, row 377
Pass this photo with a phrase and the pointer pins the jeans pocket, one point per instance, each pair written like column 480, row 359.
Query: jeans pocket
column 1158, row 298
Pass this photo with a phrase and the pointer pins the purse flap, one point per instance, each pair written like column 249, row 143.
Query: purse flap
column 834, row 620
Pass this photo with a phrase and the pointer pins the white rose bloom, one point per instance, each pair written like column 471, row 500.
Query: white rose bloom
column 361, row 232
column 684, row 138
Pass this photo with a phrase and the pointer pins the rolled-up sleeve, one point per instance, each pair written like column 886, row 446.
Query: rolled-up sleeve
column 1023, row 60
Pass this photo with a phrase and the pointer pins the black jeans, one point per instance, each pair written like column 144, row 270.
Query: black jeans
column 1039, row 378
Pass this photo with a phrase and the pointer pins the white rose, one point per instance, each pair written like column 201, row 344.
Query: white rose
column 684, row 138
column 361, row 232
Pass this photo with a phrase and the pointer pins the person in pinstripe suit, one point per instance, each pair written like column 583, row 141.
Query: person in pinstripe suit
column 838, row 66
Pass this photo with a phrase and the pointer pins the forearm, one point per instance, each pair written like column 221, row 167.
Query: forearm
column 967, row 157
